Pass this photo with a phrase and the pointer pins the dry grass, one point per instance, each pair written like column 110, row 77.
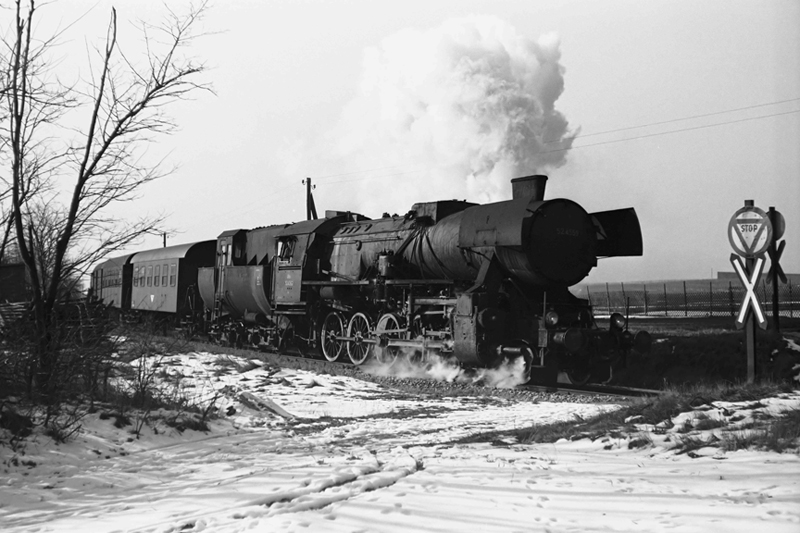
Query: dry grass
column 779, row 434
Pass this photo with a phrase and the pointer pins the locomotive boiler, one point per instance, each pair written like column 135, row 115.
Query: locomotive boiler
column 477, row 284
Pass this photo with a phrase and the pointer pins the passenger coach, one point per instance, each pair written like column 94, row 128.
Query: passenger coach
column 162, row 278
column 112, row 282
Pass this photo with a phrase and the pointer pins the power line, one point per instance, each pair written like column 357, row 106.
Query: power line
column 673, row 131
column 374, row 177
column 627, row 128
column 352, row 173
column 582, row 136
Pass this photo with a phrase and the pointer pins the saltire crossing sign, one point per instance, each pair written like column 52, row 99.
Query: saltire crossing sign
column 750, row 282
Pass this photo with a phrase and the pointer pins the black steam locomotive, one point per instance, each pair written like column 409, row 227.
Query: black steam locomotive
column 478, row 284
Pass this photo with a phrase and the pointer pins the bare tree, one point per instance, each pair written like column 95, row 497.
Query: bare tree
column 123, row 106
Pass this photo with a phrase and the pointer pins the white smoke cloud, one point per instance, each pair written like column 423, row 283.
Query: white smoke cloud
column 507, row 375
column 456, row 112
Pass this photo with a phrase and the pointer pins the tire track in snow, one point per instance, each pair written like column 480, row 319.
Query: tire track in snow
column 324, row 492
column 312, row 495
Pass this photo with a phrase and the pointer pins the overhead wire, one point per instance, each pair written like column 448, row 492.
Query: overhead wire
column 692, row 117
column 352, row 173
column 257, row 203
column 606, row 132
column 374, row 177
column 690, row 128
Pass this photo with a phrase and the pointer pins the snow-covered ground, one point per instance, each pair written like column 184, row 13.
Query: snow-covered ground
column 296, row 451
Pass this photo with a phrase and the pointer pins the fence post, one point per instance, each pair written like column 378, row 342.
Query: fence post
column 588, row 296
column 685, row 301
column 644, row 287
column 730, row 297
column 791, row 301
column 710, row 299
column 608, row 299
column 666, row 308
column 624, row 298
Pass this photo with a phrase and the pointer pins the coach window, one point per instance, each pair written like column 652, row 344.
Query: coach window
column 149, row 275
column 157, row 276
column 163, row 275
column 141, row 276
column 135, row 276
column 173, row 274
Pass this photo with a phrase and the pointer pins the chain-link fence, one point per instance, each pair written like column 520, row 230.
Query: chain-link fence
column 695, row 298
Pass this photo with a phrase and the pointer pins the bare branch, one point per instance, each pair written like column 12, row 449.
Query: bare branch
column 125, row 106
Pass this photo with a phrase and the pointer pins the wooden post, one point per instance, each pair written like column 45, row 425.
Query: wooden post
column 773, row 249
column 645, row 300
column 685, row 301
column 730, row 297
column 311, row 208
column 710, row 298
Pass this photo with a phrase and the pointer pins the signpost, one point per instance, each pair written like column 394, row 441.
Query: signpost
column 775, row 271
column 750, row 234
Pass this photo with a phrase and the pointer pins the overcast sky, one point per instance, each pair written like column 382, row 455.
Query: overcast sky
column 681, row 109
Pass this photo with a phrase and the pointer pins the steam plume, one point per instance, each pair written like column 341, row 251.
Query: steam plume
column 458, row 110
column 506, row 376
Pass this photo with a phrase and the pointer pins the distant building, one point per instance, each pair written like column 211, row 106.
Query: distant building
column 732, row 276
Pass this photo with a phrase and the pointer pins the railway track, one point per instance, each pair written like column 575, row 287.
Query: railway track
column 305, row 362
column 592, row 388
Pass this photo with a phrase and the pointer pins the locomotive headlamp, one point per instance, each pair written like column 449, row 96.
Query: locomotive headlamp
column 617, row 321
column 551, row 318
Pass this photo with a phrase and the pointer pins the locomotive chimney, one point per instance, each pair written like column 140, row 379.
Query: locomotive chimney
column 529, row 187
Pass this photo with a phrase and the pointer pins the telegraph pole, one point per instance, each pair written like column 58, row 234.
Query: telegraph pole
column 311, row 209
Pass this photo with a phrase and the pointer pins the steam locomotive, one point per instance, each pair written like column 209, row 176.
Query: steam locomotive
column 476, row 284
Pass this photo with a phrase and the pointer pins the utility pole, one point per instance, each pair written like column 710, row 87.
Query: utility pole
column 311, row 209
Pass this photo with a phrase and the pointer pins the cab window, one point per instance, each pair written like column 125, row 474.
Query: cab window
column 225, row 257
column 286, row 250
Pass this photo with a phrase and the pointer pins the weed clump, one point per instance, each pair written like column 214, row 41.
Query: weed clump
column 727, row 429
